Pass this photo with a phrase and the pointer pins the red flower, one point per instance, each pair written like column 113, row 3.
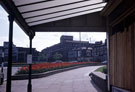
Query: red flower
column 53, row 65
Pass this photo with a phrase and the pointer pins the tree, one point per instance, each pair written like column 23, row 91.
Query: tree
column 57, row 56
column 43, row 57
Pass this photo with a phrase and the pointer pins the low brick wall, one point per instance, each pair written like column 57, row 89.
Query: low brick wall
column 99, row 80
column 40, row 75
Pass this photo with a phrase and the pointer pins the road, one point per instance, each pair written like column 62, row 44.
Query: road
column 76, row 80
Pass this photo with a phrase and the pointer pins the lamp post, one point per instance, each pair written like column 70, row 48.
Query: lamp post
column 29, row 61
column 9, row 69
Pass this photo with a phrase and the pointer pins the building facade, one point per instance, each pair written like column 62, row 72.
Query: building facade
column 77, row 50
column 95, row 52
column 99, row 51
column 19, row 53
column 66, row 44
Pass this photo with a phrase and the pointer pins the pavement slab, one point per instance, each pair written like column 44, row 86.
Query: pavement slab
column 76, row 80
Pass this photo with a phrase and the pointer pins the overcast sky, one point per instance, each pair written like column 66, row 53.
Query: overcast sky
column 41, row 40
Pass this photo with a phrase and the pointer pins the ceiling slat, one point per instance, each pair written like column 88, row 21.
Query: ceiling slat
column 47, row 5
column 25, row 2
column 64, row 13
column 64, row 17
column 58, row 9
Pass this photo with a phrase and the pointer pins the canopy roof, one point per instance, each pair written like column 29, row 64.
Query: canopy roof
column 29, row 13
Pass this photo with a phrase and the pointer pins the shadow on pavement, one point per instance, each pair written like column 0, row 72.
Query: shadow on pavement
column 95, row 86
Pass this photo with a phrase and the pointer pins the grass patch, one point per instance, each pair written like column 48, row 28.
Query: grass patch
column 19, row 64
column 102, row 69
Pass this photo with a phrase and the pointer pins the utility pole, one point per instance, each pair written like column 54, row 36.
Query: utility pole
column 90, row 39
column 79, row 51
column 80, row 36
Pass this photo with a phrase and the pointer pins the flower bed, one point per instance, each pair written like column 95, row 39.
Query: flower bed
column 102, row 69
column 44, row 67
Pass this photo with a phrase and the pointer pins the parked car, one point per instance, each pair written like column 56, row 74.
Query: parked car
column 5, row 64
column 104, row 62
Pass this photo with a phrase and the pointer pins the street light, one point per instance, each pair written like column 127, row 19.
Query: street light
column 29, row 61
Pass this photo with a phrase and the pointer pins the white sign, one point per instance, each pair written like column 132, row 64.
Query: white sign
column 29, row 59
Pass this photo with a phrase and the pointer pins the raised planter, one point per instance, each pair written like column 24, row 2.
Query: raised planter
column 100, row 80
column 40, row 75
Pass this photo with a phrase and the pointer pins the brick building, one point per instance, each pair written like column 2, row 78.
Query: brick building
column 72, row 50
column 66, row 44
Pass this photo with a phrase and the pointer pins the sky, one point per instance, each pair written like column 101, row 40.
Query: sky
column 41, row 39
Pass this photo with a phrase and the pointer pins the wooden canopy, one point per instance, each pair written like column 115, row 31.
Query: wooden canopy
column 41, row 15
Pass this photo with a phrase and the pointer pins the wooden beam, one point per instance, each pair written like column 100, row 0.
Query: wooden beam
column 123, row 16
column 85, row 23
column 69, row 29
column 111, row 5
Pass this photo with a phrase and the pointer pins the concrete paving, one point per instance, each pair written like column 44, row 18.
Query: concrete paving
column 14, row 70
column 76, row 80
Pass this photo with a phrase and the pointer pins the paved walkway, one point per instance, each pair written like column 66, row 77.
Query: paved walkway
column 76, row 80
column 14, row 70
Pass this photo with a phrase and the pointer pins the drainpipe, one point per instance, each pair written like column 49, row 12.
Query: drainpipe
column 108, row 58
